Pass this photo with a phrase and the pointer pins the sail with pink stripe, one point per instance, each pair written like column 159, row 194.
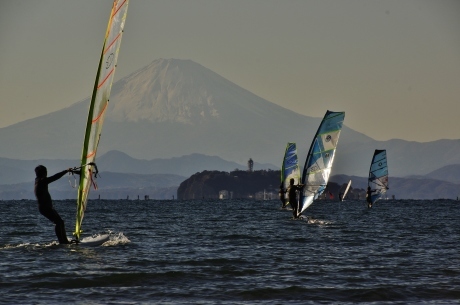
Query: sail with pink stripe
column 98, row 106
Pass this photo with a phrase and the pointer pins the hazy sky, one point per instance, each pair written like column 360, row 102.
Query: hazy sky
column 393, row 66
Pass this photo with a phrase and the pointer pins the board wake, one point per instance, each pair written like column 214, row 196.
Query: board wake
column 311, row 220
column 94, row 241
column 104, row 239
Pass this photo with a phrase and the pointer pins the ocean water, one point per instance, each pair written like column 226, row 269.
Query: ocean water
column 234, row 252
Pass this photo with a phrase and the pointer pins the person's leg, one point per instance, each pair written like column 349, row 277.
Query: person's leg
column 60, row 232
column 59, row 227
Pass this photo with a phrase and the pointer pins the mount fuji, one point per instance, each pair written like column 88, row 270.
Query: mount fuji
column 173, row 107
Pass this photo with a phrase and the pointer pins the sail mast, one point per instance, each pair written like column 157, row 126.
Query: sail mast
column 99, row 101
column 346, row 190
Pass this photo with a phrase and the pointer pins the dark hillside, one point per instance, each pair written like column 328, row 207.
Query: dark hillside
column 241, row 184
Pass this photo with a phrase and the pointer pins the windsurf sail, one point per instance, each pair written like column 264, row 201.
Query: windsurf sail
column 346, row 191
column 98, row 106
column 378, row 175
column 320, row 157
column 290, row 168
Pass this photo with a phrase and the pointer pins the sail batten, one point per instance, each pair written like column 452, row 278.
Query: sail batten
column 105, row 79
column 100, row 115
column 99, row 101
column 113, row 41
column 320, row 158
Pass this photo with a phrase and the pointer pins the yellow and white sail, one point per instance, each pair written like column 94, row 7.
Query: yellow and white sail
column 98, row 106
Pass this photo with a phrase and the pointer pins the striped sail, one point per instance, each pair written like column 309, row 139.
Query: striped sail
column 99, row 102
column 378, row 175
column 320, row 157
column 290, row 168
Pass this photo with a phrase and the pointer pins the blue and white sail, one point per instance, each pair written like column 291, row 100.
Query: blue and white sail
column 290, row 168
column 320, row 157
column 378, row 175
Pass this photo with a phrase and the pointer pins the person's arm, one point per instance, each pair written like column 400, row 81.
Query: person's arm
column 75, row 171
column 56, row 176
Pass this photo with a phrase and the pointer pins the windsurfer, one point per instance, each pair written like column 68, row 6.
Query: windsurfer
column 45, row 204
column 369, row 196
column 292, row 194
column 282, row 194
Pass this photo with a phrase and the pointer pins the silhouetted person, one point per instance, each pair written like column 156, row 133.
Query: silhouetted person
column 292, row 194
column 45, row 204
column 282, row 195
column 369, row 197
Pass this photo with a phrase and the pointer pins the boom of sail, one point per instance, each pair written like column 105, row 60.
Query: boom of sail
column 98, row 106
column 320, row 157
column 378, row 175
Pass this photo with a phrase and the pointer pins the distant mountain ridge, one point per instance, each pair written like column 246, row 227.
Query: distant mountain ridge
column 409, row 188
column 122, row 176
column 449, row 173
column 110, row 186
column 172, row 108
column 17, row 171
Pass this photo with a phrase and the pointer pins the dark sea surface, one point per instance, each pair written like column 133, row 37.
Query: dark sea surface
column 234, row 252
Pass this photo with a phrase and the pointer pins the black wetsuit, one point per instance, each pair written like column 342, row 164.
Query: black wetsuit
column 292, row 194
column 282, row 196
column 369, row 198
column 45, row 204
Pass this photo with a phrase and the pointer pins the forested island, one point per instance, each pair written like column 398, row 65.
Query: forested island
column 243, row 184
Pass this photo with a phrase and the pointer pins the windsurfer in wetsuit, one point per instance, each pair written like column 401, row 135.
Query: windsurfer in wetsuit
column 369, row 197
column 292, row 194
column 45, row 204
column 282, row 195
